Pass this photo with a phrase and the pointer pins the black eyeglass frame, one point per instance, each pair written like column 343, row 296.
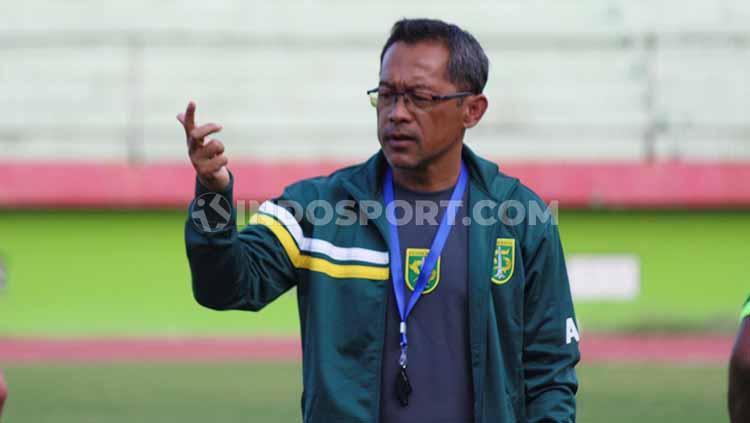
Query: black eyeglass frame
column 433, row 98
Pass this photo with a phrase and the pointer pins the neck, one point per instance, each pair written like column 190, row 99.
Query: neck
column 439, row 174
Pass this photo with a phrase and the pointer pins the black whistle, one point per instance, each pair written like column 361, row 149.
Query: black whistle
column 403, row 387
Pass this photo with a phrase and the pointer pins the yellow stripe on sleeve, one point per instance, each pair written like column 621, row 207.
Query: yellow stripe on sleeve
column 316, row 264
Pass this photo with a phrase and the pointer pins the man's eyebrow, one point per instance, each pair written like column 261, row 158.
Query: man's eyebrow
column 418, row 86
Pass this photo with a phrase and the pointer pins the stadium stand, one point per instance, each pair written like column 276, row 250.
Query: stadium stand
column 655, row 87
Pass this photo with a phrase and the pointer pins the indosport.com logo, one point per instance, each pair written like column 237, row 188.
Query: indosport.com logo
column 212, row 212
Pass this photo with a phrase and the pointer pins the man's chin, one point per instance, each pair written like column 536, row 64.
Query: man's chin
column 401, row 160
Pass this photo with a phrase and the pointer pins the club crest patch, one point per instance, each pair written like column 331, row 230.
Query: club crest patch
column 504, row 260
column 414, row 260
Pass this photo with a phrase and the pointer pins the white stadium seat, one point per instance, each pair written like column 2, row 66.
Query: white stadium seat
column 585, row 80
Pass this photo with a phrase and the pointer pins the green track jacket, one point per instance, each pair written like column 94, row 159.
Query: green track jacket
column 523, row 334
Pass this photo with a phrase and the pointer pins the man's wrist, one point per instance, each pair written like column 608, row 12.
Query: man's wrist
column 212, row 211
column 203, row 188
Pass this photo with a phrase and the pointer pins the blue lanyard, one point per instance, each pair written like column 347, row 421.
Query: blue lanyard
column 397, row 274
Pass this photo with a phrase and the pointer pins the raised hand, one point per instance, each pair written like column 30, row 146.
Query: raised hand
column 206, row 154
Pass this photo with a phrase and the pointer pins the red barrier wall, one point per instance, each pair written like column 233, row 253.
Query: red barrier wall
column 577, row 185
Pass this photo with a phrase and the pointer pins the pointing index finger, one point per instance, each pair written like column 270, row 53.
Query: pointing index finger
column 187, row 119
column 190, row 115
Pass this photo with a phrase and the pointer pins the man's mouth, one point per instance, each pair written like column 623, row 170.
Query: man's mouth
column 399, row 139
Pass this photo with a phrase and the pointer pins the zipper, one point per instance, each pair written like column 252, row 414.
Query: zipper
column 382, row 231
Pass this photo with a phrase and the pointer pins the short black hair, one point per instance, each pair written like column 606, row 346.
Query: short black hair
column 468, row 66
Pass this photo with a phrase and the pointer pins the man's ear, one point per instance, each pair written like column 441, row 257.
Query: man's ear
column 474, row 108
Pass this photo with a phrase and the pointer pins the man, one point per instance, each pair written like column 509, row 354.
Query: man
column 3, row 393
column 462, row 319
column 739, row 371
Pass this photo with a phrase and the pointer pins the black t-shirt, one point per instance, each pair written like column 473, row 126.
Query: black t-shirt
column 439, row 365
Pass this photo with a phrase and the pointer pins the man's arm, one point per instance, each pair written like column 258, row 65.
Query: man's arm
column 739, row 372
column 230, row 270
column 550, row 331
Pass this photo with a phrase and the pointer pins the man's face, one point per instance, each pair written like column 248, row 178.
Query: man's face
column 411, row 137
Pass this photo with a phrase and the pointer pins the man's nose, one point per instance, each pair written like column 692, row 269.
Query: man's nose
column 399, row 112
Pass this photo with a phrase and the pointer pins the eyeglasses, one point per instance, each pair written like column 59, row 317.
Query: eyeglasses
column 419, row 99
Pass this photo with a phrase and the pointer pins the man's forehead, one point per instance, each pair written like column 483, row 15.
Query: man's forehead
column 418, row 63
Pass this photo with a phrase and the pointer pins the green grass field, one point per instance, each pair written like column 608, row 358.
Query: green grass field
column 265, row 392
column 115, row 273
column 125, row 273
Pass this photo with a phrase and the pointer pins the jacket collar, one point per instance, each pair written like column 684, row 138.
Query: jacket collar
column 365, row 182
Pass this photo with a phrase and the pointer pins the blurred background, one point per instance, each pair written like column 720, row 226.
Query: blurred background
column 632, row 115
